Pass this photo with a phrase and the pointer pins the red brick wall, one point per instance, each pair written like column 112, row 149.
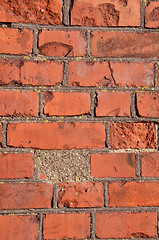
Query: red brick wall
column 80, row 74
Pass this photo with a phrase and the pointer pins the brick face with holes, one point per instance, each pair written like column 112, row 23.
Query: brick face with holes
column 79, row 119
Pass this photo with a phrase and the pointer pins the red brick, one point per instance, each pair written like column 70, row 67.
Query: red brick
column 38, row 12
column 152, row 15
column 62, row 135
column 18, row 103
column 19, row 227
column 15, row 41
column 133, row 194
column 106, row 13
column 126, row 225
column 9, row 71
column 77, row 195
column 113, row 104
column 62, row 43
column 131, row 74
column 124, row 44
column 0, row 134
column 132, row 135
column 66, row 103
column 25, row 195
column 16, row 165
column 147, row 104
column 66, row 226
column 42, row 73
column 113, row 165
column 150, row 164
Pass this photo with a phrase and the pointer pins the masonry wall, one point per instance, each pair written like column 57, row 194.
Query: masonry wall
column 79, row 114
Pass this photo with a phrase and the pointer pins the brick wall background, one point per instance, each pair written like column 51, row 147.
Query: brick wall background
column 79, row 108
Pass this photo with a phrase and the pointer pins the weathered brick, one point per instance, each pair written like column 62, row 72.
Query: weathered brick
column 9, row 71
column 113, row 165
column 124, row 44
column 131, row 74
column 16, row 165
column 41, row 73
column 126, row 225
column 25, row 195
column 15, row 41
column 66, row 226
column 106, row 13
column 62, row 135
column 132, row 135
column 152, row 15
column 147, row 104
column 18, row 103
column 66, row 103
column 62, row 43
column 113, row 104
column 133, row 194
column 150, row 164
column 76, row 195
column 39, row 12
column 18, row 227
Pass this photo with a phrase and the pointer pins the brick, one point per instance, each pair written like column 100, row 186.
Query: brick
column 16, row 165
column 112, row 165
column 25, row 195
column 126, row 225
column 106, row 13
column 62, row 135
column 66, row 226
column 15, row 41
column 113, row 104
column 147, row 104
column 78, row 195
column 132, row 135
column 18, row 103
column 152, row 15
column 62, row 43
column 66, row 103
column 39, row 12
column 9, row 71
column 124, row 44
column 0, row 135
column 150, row 164
column 17, row 226
column 42, row 73
column 131, row 74
column 133, row 194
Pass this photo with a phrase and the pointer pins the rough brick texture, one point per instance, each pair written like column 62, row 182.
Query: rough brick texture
column 79, row 119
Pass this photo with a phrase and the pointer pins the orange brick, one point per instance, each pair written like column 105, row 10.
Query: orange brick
column 9, row 71
column 66, row 226
column 124, row 44
column 21, row 227
column 106, row 13
column 126, row 225
column 38, row 12
column 132, row 135
column 150, row 164
column 113, row 104
column 25, row 195
column 66, row 103
column 62, row 135
column 131, row 74
column 77, row 195
column 16, row 165
column 15, row 41
column 147, row 104
column 133, row 194
column 62, row 43
column 18, row 103
column 113, row 165
column 151, row 15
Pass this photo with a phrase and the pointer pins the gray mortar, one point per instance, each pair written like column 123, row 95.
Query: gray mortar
column 63, row 165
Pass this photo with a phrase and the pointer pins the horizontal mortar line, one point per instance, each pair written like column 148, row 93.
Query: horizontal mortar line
column 124, row 238
column 78, row 210
column 77, row 28
column 128, row 150
column 44, row 58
